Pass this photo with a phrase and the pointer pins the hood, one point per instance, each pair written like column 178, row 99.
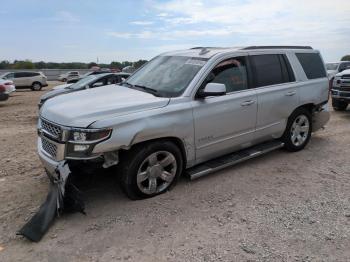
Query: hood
column 344, row 72
column 80, row 109
column 61, row 86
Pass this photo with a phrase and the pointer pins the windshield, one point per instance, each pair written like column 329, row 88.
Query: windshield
column 332, row 66
column 82, row 82
column 166, row 75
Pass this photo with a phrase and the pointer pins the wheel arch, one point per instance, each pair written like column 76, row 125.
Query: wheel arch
column 177, row 141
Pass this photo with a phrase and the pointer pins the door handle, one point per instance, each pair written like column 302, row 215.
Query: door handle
column 248, row 103
column 291, row 93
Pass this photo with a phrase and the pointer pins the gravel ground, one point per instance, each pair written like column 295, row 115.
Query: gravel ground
column 279, row 207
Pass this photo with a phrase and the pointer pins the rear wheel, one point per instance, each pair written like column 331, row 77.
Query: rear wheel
column 36, row 86
column 298, row 130
column 339, row 105
column 150, row 169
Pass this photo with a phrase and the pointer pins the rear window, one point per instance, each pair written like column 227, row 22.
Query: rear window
column 312, row 65
column 271, row 69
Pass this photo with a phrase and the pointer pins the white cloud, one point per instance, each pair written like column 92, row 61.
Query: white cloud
column 142, row 22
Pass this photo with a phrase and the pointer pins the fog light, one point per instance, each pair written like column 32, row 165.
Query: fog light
column 80, row 148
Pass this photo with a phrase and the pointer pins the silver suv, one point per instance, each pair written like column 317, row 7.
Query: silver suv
column 192, row 111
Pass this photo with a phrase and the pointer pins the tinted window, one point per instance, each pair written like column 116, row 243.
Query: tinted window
column 20, row 74
column 271, row 70
column 231, row 72
column 344, row 66
column 312, row 65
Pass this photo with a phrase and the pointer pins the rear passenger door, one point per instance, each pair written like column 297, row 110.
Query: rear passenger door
column 277, row 93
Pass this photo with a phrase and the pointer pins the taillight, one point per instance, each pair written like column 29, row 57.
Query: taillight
column 2, row 88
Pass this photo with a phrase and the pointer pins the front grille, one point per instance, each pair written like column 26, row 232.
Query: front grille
column 50, row 128
column 49, row 147
column 345, row 77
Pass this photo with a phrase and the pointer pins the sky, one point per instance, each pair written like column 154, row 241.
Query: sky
column 107, row 30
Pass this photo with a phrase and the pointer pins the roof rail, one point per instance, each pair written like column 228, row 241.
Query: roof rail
column 277, row 47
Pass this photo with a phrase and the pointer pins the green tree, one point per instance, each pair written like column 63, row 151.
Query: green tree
column 26, row 64
column 5, row 64
column 346, row 58
column 139, row 63
column 92, row 64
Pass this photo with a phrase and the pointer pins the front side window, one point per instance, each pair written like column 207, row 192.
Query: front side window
column 166, row 75
column 232, row 73
column 8, row 76
column 312, row 65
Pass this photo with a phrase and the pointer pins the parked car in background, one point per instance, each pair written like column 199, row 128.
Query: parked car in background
column 340, row 91
column 74, row 80
column 23, row 79
column 335, row 68
column 72, row 74
column 90, row 81
column 9, row 86
column 6, row 87
column 194, row 111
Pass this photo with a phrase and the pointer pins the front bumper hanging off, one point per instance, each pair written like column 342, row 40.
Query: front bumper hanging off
column 63, row 195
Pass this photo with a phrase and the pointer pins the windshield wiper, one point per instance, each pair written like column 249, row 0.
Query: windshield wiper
column 145, row 88
column 154, row 91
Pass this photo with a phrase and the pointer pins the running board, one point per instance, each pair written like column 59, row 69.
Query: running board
column 232, row 159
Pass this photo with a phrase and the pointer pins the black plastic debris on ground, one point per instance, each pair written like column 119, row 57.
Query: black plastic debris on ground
column 62, row 197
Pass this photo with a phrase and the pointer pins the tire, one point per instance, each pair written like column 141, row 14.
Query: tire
column 298, row 130
column 339, row 105
column 142, row 171
column 36, row 86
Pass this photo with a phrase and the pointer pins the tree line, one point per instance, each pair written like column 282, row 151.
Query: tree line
column 28, row 64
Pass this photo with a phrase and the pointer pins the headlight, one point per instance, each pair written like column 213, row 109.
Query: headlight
column 81, row 142
column 88, row 136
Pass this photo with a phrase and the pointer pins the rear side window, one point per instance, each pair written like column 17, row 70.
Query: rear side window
column 271, row 69
column 312, row 65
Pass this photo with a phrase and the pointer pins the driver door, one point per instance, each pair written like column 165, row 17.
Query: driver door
column 225, row 123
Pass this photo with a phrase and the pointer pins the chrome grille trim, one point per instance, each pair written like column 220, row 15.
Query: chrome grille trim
column 52, row 129
column 49, row 147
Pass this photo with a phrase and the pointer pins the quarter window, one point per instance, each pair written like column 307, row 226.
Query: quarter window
column 312, row 65
column 231, row 72
column 271, row 70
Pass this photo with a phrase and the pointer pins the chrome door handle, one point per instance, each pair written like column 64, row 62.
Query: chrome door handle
column 248, row 103
column 291, row 93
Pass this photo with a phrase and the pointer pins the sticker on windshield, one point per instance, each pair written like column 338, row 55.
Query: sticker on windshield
column 196, row 62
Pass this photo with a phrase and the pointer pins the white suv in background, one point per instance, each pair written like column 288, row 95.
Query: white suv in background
column 68, row 75
column 33, row 80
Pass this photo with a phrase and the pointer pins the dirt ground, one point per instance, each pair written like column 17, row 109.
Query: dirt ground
column 279, row 207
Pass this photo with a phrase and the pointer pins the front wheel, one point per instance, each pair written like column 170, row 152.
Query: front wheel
column 339, row 105
column 150, row 169
column 298, row 130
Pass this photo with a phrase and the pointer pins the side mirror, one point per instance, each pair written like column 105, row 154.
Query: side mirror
column 212, row 89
